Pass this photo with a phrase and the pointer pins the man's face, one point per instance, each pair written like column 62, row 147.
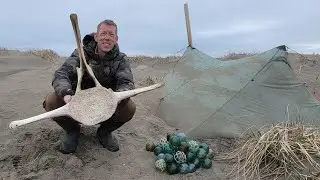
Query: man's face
column 106, row 37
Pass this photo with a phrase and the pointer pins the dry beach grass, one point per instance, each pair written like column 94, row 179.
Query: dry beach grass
column 282, row 150
column 46, row 54
column 31, row 152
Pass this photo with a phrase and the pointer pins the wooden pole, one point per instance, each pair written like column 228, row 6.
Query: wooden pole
column 186, row 13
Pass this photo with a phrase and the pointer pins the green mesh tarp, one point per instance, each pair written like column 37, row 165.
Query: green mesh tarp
column 208, row 97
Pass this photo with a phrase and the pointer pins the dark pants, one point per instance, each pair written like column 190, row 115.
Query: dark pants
column 124, row 113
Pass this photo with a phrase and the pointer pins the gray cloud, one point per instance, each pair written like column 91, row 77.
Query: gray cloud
column 158, row 27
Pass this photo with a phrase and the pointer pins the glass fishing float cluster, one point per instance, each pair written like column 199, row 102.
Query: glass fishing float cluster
column 177, row 153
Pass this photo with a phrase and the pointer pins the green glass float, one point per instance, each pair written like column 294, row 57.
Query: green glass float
column 183, row 169
column 201, row 161
column 207, row 163
column 197, row 163
column 204, row 146
column 192, row 168
column 193, row 146
column 181, row 134
column 201, row 153
column 210, row 154
column 180, row 157
column 172, row 168
column 150, row 146
column 188, row 139
column 169, row 158
column 174, row 141
column 157, row 150
column 160, row 165
column 184, row 146
column 191, row 157
column 182, row 137
column 160, row 156
column 167, row 148
column 169, row 135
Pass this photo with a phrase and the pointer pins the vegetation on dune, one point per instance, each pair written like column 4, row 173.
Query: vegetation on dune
column 234, row 55
column 310, row 60
column 4, row 51
column 282, row 150
column 140, row 59
column 46, row 54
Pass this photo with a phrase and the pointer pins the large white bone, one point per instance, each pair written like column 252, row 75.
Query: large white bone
column 89, row 106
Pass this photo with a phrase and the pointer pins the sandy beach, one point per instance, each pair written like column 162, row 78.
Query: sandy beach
column 30, row 152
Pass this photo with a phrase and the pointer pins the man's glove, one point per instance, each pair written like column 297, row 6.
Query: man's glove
column 65, row 92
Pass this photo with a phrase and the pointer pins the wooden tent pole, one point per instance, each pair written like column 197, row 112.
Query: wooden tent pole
column 186, row 13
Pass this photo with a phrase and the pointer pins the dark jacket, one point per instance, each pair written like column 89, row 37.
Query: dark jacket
column 113, row 71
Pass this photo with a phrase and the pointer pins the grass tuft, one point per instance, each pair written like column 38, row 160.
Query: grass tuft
column 234, row 55
column 284, row 150
column 141, row 59
column 4, row 51
column 46, row 54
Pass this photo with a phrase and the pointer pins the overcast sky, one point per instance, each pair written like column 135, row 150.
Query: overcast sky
column 158, row 27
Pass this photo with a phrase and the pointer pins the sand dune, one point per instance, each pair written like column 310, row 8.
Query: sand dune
column 30, row 152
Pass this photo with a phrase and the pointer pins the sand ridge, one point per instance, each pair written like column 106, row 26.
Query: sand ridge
column 30, row 152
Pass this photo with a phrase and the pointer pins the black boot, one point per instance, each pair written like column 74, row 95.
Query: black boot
column 105, row 137
column 107, row 140
column 69, row 141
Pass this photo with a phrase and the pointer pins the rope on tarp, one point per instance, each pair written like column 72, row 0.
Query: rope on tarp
column 306, row 59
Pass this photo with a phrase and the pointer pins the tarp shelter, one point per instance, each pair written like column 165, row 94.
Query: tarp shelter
column 208, row 97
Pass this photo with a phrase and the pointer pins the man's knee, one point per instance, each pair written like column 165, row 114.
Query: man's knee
column 131, row 108
column 52, row 101
column 127, row 110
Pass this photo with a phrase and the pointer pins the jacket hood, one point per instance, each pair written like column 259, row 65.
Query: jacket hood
column 87, row 39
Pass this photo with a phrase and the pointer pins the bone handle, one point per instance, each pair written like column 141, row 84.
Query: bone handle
column 126, row 94
column 62, row 111
column 75, row 25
